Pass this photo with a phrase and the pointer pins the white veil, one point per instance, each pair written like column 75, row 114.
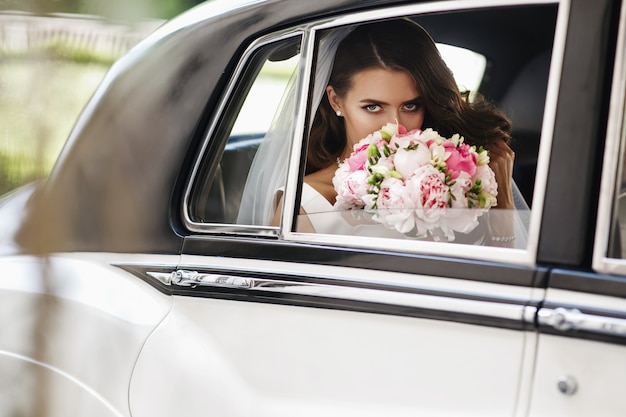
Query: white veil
column 269, row 168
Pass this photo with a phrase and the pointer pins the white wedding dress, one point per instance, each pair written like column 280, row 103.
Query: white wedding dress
column 324, row 219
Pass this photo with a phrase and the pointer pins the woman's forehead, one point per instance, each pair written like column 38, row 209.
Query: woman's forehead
column 379, row 83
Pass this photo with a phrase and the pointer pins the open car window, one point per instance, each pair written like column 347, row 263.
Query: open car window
column 515, row 79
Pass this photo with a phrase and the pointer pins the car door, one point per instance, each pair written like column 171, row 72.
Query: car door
column 581, row 359
column 271, row 320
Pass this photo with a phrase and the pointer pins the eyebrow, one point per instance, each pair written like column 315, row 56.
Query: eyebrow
column 371, row 100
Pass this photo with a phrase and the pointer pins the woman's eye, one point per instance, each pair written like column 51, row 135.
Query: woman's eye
column 412, row 106
column 373, row 108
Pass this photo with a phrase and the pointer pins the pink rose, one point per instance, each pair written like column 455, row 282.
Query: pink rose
column 341, row 174
column 459, row 190
column 460, row 160
column 395, row 209
column 351, row 189
column 357, row 160
column 392, row 194
column 402, row 131
column 429, row 193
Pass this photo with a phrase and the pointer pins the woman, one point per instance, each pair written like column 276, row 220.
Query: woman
column 392, row 72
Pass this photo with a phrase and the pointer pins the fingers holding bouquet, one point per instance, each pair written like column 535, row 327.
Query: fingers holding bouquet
column 501, row 222
column 501, row 162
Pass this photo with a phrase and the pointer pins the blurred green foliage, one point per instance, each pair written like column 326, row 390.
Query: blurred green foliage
column 43, row 89
column 40, row 100
column 17, row 170
column 124, row 10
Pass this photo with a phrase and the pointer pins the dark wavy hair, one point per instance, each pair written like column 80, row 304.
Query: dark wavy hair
column 403, row 45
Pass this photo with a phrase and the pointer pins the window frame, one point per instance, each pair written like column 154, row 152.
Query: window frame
column 526, row 257
column 615, row 146
column 231, row 88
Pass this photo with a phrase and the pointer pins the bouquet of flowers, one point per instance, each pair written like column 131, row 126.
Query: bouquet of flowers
column 417, row 181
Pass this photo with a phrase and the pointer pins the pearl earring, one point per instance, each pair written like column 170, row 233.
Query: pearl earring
column 338, row 113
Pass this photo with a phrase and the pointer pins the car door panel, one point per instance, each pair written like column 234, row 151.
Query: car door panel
column 300, row 339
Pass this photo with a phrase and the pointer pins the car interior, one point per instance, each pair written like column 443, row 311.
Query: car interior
column 517, row 43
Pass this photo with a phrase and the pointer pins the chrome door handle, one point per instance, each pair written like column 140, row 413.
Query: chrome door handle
column 566, row 319
column 184, row 278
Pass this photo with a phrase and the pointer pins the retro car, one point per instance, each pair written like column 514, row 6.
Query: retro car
column 130, row 284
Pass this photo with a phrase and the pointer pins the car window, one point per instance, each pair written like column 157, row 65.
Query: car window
column 262, row 89
column 378, row 199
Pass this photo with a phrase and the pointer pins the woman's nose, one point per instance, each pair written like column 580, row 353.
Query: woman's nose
column 403, row 119
column 395, row 117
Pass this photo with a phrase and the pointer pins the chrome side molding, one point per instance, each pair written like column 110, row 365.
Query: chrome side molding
column 477, row 309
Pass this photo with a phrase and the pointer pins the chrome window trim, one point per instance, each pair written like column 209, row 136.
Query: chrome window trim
column 414, row 295
column 507, row 255
column 230, row 228
column 292, row 178
column 614, row 148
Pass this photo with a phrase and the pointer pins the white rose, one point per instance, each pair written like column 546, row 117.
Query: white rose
column 408, row 161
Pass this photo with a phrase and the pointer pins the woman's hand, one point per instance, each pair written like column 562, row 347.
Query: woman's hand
column 304, row 225
column 501, row 222
column 501, row 162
